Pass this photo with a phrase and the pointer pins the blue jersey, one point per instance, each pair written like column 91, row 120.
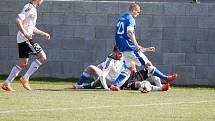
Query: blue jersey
column 126, row 21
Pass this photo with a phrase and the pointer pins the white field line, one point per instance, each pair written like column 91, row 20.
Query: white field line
column 102, row 107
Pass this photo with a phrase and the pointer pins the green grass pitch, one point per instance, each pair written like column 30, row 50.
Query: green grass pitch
column 57, row 101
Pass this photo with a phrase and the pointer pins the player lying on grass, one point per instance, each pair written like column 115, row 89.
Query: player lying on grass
column 26, row 24
column 105, row 73
column 136, row 81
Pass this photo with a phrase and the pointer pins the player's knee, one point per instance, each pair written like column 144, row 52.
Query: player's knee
column 23, row 65
column 42, row 59
column 148, row 64
column 90, row 68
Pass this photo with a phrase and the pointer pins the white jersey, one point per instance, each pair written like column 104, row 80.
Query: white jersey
column 29, row 18
column 112, row 67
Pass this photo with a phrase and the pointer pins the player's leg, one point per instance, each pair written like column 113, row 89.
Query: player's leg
column 154, row 79
column 163, row 87
column 23, row 61
column 120, row 80
column 41, row 57
column 13, row 74
column 152, row 69
column 90, row 71
column 34, row 48
column 155, row 72
column 92, row 85
column 86, row 74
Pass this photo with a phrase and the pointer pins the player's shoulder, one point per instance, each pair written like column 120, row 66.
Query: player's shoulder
column 28, row 7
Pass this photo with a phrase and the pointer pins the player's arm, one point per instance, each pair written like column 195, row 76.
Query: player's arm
column 133, row 39
column 150, row 49
column 19, row 21
column 103, row 79
column 45, row 35
column 20, row 26
column 104, row 74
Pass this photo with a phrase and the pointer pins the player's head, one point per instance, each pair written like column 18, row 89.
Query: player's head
column 135, row 9
column 38, row 2
column 116, row 53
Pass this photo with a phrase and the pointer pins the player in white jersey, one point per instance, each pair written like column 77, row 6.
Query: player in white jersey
column 105, row 73
column 138, row 78
column 26, row 24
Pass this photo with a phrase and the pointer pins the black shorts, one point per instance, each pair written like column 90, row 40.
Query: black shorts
column 28, row 48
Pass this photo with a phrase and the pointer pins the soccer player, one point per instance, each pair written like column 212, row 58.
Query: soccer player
column 105, row 73
column 135, row 80
column 26, row 24
column 132, row 51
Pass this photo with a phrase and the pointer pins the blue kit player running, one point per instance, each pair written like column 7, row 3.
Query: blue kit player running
column 127, row 43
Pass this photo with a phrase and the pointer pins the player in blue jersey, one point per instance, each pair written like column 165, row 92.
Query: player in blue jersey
column 132, row 51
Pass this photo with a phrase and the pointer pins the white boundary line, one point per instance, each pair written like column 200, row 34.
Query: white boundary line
column 102, row 107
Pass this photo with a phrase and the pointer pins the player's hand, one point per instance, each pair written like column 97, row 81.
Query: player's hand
column 27, row 35
column 46, row 36
column 150, row 49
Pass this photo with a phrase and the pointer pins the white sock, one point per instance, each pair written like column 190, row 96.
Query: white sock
column 13, row 74
column 33, row 68
column 156, row 88
column 157, row 81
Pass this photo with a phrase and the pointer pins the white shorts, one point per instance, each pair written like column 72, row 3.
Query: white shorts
column 137, row 57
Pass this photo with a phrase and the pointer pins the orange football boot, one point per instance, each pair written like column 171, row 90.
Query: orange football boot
column 25, row 83
column 165, row 87
column 7, row 87
column 114, row 88
column 170, row 78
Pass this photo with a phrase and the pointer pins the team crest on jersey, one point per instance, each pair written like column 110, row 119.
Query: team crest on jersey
column 28, row 9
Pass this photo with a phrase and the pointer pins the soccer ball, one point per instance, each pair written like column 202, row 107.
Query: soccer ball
column 145, row 86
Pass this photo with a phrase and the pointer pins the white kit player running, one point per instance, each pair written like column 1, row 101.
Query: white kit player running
column 105, row 73
column 26, row 24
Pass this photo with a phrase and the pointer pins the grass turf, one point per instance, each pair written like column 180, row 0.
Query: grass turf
column 57, row 101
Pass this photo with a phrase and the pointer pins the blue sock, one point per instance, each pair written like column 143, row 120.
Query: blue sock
column 87, row 86
column 118, row 80
column 83, row 77
column 156, row 72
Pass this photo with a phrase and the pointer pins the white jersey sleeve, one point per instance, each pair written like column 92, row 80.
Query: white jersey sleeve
column 28, row 16
column 109, row 63
column 25, row 12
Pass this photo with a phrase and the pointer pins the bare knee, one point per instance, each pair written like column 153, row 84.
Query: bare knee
column 90, row 69
column 148, row 64
column 22, row 64
column 42, row 59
